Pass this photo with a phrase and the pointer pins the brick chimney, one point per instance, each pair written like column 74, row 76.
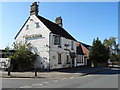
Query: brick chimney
column 34, row 9
column 58, row 21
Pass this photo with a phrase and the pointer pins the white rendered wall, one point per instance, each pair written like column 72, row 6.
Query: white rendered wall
column 41, row 44
column 44, row 46
column 54, row 49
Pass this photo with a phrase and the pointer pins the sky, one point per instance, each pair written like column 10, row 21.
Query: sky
column 83, row 20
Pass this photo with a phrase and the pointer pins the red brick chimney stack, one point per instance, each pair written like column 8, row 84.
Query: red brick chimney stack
column 58, row 21
column 34, row 9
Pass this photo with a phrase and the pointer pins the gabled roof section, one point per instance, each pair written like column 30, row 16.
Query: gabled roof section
column 85, row 45
column 85, row 50
column 56, row 29
column 79, row 49
column 21, row 28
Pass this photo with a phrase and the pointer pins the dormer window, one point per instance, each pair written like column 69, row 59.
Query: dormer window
column 37, row 25
column 27, row 27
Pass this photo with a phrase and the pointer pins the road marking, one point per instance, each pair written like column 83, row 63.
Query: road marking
column 64, row 78
column 71, row 77
column 34, row 84
column 45, row 82
column 16, row 78
column 25, row 86
column 54, row 80
column 40, row 84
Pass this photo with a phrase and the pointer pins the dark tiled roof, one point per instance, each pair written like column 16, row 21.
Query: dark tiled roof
column 56, row 29
column 85, row 45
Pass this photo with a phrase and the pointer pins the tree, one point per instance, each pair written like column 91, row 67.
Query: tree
column 113, row 47
column 7, row 52
column 98, row 53
column 23, row 58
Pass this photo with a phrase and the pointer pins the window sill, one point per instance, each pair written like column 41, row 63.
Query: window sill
column 59, row 63
column 72, row 49
column 59, row 46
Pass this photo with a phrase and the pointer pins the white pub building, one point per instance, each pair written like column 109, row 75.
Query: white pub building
column 55, row 47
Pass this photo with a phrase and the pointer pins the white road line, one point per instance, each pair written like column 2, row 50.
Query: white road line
column 34, row 84
column 30, row 86
column 64, row 78
column 54, row 80
column 45, row 82
column 25, row 86
column 71, row 77
column 39, row 84
column 17, row 78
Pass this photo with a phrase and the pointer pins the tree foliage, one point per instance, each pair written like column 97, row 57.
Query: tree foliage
column 23, row 58
column 7, row 52
column 98, row 53
column 112, row 45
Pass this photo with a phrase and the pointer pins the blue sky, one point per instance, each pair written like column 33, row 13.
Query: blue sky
column 83, row 20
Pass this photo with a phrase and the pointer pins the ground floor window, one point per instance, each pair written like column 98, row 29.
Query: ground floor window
column 59, row 58
column 67, row 59
column 80, row 59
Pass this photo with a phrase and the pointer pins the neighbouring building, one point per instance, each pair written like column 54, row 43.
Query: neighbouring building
column 55, row 47
column 4, row 53
column 4, row 60
column 79, row 55
column 83, row 51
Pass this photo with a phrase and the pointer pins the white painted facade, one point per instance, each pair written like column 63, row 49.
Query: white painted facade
column 44, row 45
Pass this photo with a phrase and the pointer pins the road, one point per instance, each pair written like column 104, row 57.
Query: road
column 104, row 79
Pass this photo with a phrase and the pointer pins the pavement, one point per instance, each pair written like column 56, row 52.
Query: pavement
column 55, row 74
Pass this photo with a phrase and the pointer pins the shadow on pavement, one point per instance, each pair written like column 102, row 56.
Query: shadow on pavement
column 89, row 70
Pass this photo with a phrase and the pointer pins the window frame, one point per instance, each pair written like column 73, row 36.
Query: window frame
column 59, row 58
column 67, row 59
column 27, row 27
column 37, row 25
column 57, row 40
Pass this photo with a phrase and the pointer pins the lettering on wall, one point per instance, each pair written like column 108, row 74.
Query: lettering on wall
column 44, row 58
column 32, row 36
column 54, row 57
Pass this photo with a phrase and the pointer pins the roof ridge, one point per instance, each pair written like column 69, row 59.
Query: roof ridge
column 56, row 29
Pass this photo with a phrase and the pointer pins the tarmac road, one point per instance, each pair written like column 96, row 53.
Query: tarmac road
column 104, row 79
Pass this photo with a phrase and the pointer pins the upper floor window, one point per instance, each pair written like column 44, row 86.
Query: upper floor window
column 57, row 40
column 27, row 27
column 37, row 25
column 72, row 45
